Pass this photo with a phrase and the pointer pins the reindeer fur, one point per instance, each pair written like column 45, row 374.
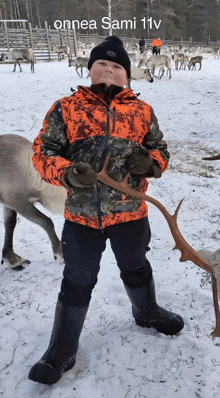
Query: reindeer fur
column 20, row 189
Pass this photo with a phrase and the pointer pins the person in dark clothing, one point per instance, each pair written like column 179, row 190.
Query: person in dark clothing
column 142, row 45
column 78, row 132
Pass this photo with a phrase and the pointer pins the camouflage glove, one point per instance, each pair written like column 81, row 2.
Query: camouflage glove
column 141, row 164
column 81, row 175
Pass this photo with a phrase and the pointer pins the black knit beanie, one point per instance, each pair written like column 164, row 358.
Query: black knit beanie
column 111, row 49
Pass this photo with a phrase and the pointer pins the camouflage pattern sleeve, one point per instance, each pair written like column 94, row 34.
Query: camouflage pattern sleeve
column 155, row 144
column 50, row 147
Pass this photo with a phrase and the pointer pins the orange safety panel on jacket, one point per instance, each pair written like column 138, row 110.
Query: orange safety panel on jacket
column 156, row 43
column 80, row 128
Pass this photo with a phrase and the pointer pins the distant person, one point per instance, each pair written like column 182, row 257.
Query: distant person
column 142, row 45
column 156, row 46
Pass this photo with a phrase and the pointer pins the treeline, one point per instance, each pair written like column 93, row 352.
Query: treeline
column 169, row 19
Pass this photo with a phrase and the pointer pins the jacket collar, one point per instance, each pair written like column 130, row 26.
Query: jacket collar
column 108, row 93
column 112, row 92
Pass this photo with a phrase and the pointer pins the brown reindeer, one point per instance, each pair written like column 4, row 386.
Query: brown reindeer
column 195, row 60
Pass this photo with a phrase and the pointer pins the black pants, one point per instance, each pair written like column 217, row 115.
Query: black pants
column 83, row 247
column 156, row 50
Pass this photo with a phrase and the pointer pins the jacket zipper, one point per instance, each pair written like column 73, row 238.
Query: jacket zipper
column 114, row 113
column 105, row 147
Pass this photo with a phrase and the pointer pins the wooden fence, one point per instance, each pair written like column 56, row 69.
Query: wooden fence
column 41, row 40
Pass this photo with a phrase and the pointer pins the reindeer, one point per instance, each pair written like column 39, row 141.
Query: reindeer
column 213, row 258
column 79, row 62
column 138, row 74
column 194, row 60
column 159, row 61
column 215, row 52
column 133, row 57
column 60, row 50
column 184, row 62
column 178, row 57
column 20, row 189
column 21, row 54
column 2, row 57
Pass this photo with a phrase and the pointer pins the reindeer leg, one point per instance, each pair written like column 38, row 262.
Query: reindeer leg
column 77, row 72
column 8, row 255
column 30, row 212
column 15, row 66
column 19, row 65
column 216, row 331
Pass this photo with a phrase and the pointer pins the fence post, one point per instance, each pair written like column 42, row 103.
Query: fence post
column 6, row 32
column 69, row 41
column 31, row 36
column 61, row 38
column 75, row 43
column 48, row 40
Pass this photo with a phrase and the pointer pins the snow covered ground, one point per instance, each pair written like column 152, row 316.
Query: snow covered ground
column 116, row 358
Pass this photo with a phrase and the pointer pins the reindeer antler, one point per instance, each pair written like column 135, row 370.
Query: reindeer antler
column 212, row 157
column 187, row 252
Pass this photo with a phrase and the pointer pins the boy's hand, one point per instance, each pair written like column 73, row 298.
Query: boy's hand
column 141, row 164
column 80, row 175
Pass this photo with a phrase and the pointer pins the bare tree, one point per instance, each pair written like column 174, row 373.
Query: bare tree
column 110, row 5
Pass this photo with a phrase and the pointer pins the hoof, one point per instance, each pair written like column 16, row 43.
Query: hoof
column 15, row 262
column 18, row 268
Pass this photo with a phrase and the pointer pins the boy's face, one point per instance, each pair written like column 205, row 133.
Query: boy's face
column 108, row 72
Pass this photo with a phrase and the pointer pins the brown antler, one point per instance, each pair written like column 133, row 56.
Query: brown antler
column 187, row 252
column 212, row 157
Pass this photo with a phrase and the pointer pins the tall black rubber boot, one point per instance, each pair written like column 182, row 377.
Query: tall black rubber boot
column 148, row 313
column 61, row 353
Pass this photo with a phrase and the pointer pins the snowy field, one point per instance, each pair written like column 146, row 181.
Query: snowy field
column 116, row 358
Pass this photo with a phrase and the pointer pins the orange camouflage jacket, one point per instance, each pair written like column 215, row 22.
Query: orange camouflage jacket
column 84, row 127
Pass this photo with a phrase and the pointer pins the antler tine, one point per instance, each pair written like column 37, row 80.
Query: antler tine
column 187, row 252
column 177, row 209
column 212, row 157
column 104, row 167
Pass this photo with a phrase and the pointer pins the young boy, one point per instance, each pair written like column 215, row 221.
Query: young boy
column 78, row 132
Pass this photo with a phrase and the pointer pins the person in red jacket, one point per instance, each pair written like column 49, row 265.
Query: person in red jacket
column 156, row 46
column 78, row 132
